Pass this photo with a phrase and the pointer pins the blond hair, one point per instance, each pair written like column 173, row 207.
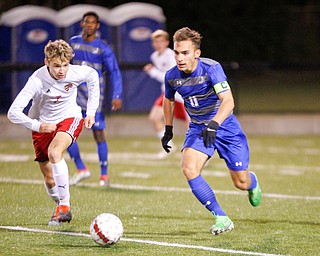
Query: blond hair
column 185, row 34
column 58, row 49
column 160, row 33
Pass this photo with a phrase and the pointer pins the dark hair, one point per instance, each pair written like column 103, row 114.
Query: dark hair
column 91, row 14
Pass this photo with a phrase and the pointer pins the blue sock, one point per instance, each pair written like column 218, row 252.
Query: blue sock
column 253, row 181
column 74, row 152
column 103, row 157
column 203, row 192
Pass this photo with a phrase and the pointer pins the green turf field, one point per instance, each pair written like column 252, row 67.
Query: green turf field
column 276, row 91
column 159, row 214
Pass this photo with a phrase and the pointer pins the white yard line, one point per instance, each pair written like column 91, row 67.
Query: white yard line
column 197, row 247
column 158, row 188
column 151, row 159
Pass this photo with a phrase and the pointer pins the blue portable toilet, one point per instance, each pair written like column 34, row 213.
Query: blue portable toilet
column 31, row 27
column 133, row 24
column 5, row 76
column 69, row 19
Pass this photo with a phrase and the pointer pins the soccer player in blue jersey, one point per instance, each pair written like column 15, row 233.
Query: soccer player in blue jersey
column 209, row 102
column 91, row 50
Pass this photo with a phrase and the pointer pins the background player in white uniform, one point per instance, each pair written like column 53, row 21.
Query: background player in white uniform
column 162, row 60
column 55, row 118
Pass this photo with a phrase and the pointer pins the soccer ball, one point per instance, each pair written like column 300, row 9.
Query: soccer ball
column 106, row 229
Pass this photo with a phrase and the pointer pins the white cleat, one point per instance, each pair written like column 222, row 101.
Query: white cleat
column 79, row 176
column 104, row 183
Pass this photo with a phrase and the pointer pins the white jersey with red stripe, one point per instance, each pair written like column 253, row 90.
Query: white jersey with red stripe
column 54, row 100
column 161, row 64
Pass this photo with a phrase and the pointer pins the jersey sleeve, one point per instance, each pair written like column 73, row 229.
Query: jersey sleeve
column 92, row 81
column 169, row 92
column 114, row 76
column 15, row 113
column 218, row 78
column 157, row 73
column 71, row 40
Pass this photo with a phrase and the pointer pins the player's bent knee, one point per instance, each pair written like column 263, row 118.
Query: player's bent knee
column 189, row 173
column 55, row 156
column 241, row 184
column 241, row 179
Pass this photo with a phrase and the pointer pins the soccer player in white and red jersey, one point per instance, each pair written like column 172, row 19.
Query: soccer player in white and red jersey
column 162, row 59
column 209, row 102
column 55, row 119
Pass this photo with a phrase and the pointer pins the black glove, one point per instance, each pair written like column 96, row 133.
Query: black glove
column 168, row 135
column 209, row 133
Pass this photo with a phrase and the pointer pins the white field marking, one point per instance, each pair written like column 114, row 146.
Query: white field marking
column 123, row 156
column 145, row 159
column 291, row 172
column 215, row 173
column 204, row 248
column 93, row 158
column 166, row 189
column 14, row 158
column 139, row 175
column 140, row 159
column 295, row 151
column 285, row 150
column 302, row 168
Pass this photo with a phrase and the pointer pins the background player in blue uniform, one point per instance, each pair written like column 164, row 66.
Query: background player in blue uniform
column 209, row 102
column 91, row 50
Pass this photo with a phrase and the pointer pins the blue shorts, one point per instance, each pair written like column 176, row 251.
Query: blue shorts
column 231, row 143
column 100, row 122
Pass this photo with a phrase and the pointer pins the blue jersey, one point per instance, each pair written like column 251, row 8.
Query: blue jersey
column 200, row 91
column 197, row 89
column 97, row 54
